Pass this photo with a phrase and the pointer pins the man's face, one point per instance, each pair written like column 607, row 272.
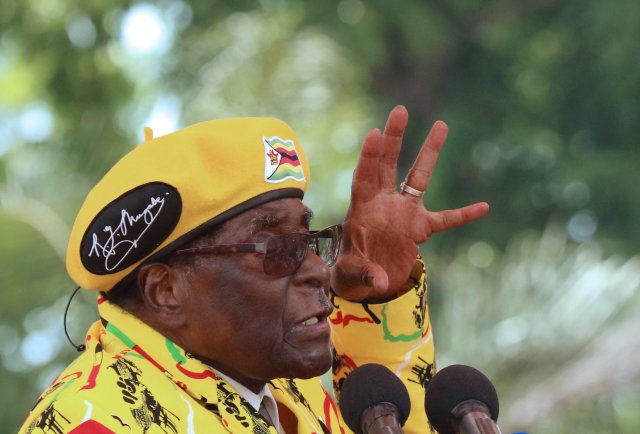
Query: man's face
column 252, row 326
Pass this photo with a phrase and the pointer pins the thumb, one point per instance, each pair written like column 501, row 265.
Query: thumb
column 355, row 278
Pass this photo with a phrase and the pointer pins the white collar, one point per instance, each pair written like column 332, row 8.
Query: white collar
column 255, row 399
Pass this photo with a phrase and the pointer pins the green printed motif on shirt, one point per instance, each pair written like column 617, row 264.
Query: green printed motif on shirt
column 388, row 336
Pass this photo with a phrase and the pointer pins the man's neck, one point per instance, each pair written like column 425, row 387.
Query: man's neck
column 254, row 385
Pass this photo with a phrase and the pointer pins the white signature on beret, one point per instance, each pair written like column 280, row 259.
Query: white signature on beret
column 117, row 246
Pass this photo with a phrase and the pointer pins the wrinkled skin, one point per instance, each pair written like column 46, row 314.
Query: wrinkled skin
column 384, row 226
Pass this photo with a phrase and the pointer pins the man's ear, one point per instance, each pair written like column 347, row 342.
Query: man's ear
column 159, row 288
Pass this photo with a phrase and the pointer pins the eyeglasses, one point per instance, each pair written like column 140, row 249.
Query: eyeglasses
column 283, row 254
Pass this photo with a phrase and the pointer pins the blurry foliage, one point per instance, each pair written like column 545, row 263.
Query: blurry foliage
column 541, row 99
column 556, row 325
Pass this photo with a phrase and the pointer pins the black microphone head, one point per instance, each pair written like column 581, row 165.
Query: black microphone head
column 369, row 385
column 453, row 385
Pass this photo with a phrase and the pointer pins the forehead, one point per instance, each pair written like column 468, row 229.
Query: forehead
column 286, row 213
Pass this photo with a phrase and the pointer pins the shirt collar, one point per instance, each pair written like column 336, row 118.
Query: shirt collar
column 255, row 399
column 252, row 398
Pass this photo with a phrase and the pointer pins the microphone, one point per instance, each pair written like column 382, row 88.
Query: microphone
column 373, row 400
column 462, row 400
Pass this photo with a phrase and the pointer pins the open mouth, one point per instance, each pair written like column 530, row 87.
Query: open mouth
column 319, row 317
column 311, row 321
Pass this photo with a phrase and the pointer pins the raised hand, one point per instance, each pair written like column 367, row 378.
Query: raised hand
column 384, row 226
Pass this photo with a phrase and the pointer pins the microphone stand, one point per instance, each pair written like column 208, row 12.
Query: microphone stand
column 473, row 417
column 381, row 418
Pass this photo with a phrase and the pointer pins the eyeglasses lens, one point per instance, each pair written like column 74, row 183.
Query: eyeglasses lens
column 285, row 253
column 323, row 247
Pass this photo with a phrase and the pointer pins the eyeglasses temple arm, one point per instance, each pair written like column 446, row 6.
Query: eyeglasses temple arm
column 226, row 248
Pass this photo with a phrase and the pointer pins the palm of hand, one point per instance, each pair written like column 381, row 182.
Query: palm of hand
column 383, row 227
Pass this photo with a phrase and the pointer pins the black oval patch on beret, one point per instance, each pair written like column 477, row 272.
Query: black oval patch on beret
column 130, row 227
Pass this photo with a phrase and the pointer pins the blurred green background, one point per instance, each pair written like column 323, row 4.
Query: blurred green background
column 541, row 97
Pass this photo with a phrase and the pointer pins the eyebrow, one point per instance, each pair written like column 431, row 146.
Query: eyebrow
column 263, row 221
column 270, row 220
column 307, row 217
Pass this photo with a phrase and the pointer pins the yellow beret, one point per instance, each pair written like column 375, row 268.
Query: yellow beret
column 170, row 189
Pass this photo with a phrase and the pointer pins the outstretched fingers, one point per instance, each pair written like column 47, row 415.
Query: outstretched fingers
column 391, row 144
column 366, row 176
column 420, row 173
column 379, row 156
column 440, row 221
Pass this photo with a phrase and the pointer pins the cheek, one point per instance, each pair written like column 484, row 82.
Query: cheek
column 235, row 332
column 252, row 312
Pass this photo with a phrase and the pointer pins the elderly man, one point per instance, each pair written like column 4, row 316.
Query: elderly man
column 219, row 307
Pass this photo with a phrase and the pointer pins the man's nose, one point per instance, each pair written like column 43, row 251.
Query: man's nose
column 314, row 272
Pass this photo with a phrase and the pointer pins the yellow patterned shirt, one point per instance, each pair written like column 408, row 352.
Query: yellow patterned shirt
column 131, row 379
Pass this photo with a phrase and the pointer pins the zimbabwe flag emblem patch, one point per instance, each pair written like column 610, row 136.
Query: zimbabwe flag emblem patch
column 281, row 160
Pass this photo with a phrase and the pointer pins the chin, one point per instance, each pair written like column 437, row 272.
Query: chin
column 311, row 365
